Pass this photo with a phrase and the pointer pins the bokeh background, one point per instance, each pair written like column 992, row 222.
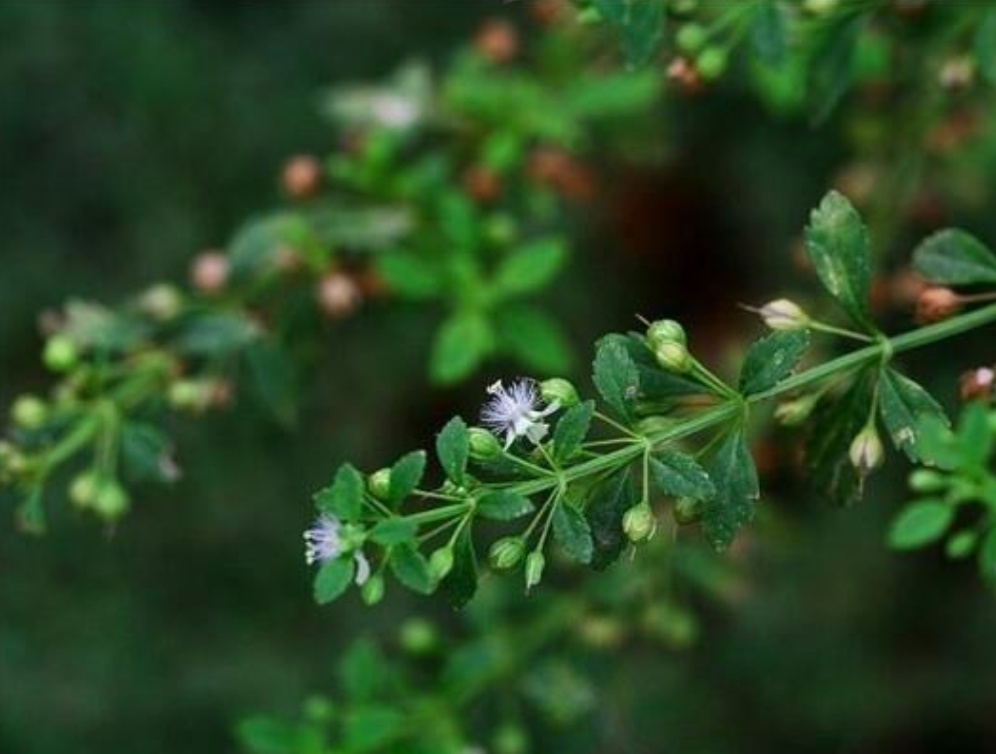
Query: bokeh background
column 133, row 135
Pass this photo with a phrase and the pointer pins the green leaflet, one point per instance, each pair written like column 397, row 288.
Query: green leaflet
column 732, row 471
column 504, row 505
column 571, row 430
column 615, row 374
column 344, row 497
column 394, row 531
column 772, row 359
column 332, row 579
column 535, row 338
column 273, row 378
column 831, row 67
column 453, row 449
column 768, row 34
column 837, row 244
column 411, row 569
column 406, row 475
column 954, row 257
column 410, row 275
column 920, row 524
column 530, row 267
column 604, row 512
column 573, row 533
column 835, row 423
column 462, row 343
column 640, row 24
column 680, row 476
column 903, row 405
column 460, row 584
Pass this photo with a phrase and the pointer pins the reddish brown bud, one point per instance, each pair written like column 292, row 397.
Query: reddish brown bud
column 560, row 171
column 977, row 384
column 210, row 271
column 548, row 12
column 937, row 304
column 302, row 176
column 482, row 184
column 338, row 295
column 905, row 288
column 498, row 41
column 684, row 73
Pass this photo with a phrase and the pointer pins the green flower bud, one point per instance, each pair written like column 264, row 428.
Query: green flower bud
column 418, row 636
column 506, row 553
column 372, row 590
column 783, row 314
column 510, row 739
column 379, row 484
column 639, row 523
column 84, row 488
column 674, row 357
column 112, row 500
column 691, row 37
column 441, row 563
column 961, row 545
column 665, row 331
column 535, row 563
column 29, row 412
column 711, row 63
column 926, row 480
column 560, row 391
column 602, row 631
column 795, row 412
column 687, row 510
column 60, row 354
column 162, row 302
column 318, row 709
column 501, row 230
column 866, row 452
column 188, row 395
column 483, row 444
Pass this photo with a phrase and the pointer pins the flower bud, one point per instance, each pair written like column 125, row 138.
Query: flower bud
column 441, row 563
column 302, row 176
column 418, row 636
column 510, row 739
column 210, row 272
column 61, row 354
column 674, row 357
column 29, row 412
column 379, row 484
column 867, row 452
column 482, row 184
column 665, row 331
column 795, row 412
column 483, row 443
column 783, row 314
column 927, row 480
column 338, row 295
column 189, row 395
column 977, row 385
column 535, row 563
column 936, row 304
column 501, row 229
column 639, row 523
column 162, row 302
column 691, row 37
column 712, row 63
column 372, row 590
column 506, row 553
column 560, row 391
column 112, row 500
column 687, row 510
column 685, row 75
column 498, row 41
column 83, row 489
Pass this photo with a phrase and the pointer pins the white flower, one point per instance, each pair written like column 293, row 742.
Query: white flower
column 515, row 412
column 323, row 542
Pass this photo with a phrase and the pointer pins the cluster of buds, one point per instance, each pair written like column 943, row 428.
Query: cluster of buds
column 555, row 168
column 100, row 493
column 669, row 344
